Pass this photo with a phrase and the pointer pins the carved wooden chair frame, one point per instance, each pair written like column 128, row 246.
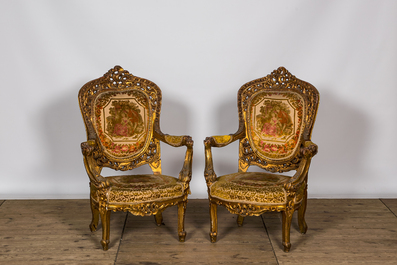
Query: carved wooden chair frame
column 295, row 188
column 96, row 157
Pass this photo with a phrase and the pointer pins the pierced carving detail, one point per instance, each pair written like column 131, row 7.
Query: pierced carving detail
column 145, row 209
column 244, row 209
column 149, row 156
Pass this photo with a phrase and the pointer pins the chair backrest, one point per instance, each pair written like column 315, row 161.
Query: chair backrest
column 120, row 112
column 277, row 113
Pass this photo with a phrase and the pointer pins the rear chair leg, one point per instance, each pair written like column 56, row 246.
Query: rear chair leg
column 95, row 216
column 301, row 214
column 240, row 220
column 159, row 218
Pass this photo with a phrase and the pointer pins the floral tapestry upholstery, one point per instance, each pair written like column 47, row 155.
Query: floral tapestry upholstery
column 275, row 123
column 143, row 188
column 122, row 122
column 250, row 187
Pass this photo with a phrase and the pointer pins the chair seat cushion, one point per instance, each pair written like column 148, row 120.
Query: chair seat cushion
column 251, row 187
column 143, row 188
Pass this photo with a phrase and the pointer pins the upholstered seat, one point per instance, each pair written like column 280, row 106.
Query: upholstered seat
column 121, row 114
column 143, row 188
column 251, row 187
column 276, row 117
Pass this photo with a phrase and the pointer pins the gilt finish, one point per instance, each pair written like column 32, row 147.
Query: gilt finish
column 276, row 117
column 121, row 113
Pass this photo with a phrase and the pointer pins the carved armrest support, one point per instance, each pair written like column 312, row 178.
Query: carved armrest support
column 216, row 141
column 209, row 172
column 186, row 173
column 87, row 148
column 297, row 180
column 308, row 150
column 177, row 141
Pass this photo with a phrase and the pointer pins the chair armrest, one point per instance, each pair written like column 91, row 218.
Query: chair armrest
column 173, row 140
column 216, row 141
column 177, row 141
column 87, row 148
column 308, row 150
column 186, row 173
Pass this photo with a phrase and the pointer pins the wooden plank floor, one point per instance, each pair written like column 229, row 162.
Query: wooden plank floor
column 56, row 232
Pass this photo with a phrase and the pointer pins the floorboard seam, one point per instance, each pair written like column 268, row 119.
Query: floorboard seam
column 2, row 203
column 121, row 238
column 270, row 241
column 388, row 207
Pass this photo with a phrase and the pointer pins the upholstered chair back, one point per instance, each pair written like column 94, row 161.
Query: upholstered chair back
column 278, row 113
column 120, row 112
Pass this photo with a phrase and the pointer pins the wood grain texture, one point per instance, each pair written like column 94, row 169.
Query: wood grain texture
column 56, row 232
column 340, row 231
column 53, row 232
column 144, row 242
column 391, row 204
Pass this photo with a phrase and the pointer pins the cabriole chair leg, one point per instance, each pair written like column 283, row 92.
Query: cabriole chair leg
column 287, row 218
column 301, row 215
column 159, row 218
column 95, row 217
column 105, row 219
column 240, row 220
column 214, row 222
column 181, row 221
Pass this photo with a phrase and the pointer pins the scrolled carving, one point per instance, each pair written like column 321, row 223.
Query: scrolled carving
column 249, row 157
column 86, row 148
column 150, row 155
column 145, row 209
column 242, row 209
column 149, row 208
column 310, row 150
column 177, row 141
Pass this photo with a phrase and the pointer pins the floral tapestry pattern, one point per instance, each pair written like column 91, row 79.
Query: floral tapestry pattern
column 125, row 119
column 251, row 187
column 276, row 123
column 122, row 121
column 143, row 188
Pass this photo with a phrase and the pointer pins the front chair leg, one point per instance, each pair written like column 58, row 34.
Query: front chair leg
column 105, row 219
column 214, row 222
column 287, row 218
column 181, row 221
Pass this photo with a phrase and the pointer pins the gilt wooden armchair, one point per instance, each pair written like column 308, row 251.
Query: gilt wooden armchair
column 121, row 113
column 276, row 117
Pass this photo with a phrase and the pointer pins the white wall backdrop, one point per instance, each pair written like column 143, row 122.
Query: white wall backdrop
column 199, row 53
